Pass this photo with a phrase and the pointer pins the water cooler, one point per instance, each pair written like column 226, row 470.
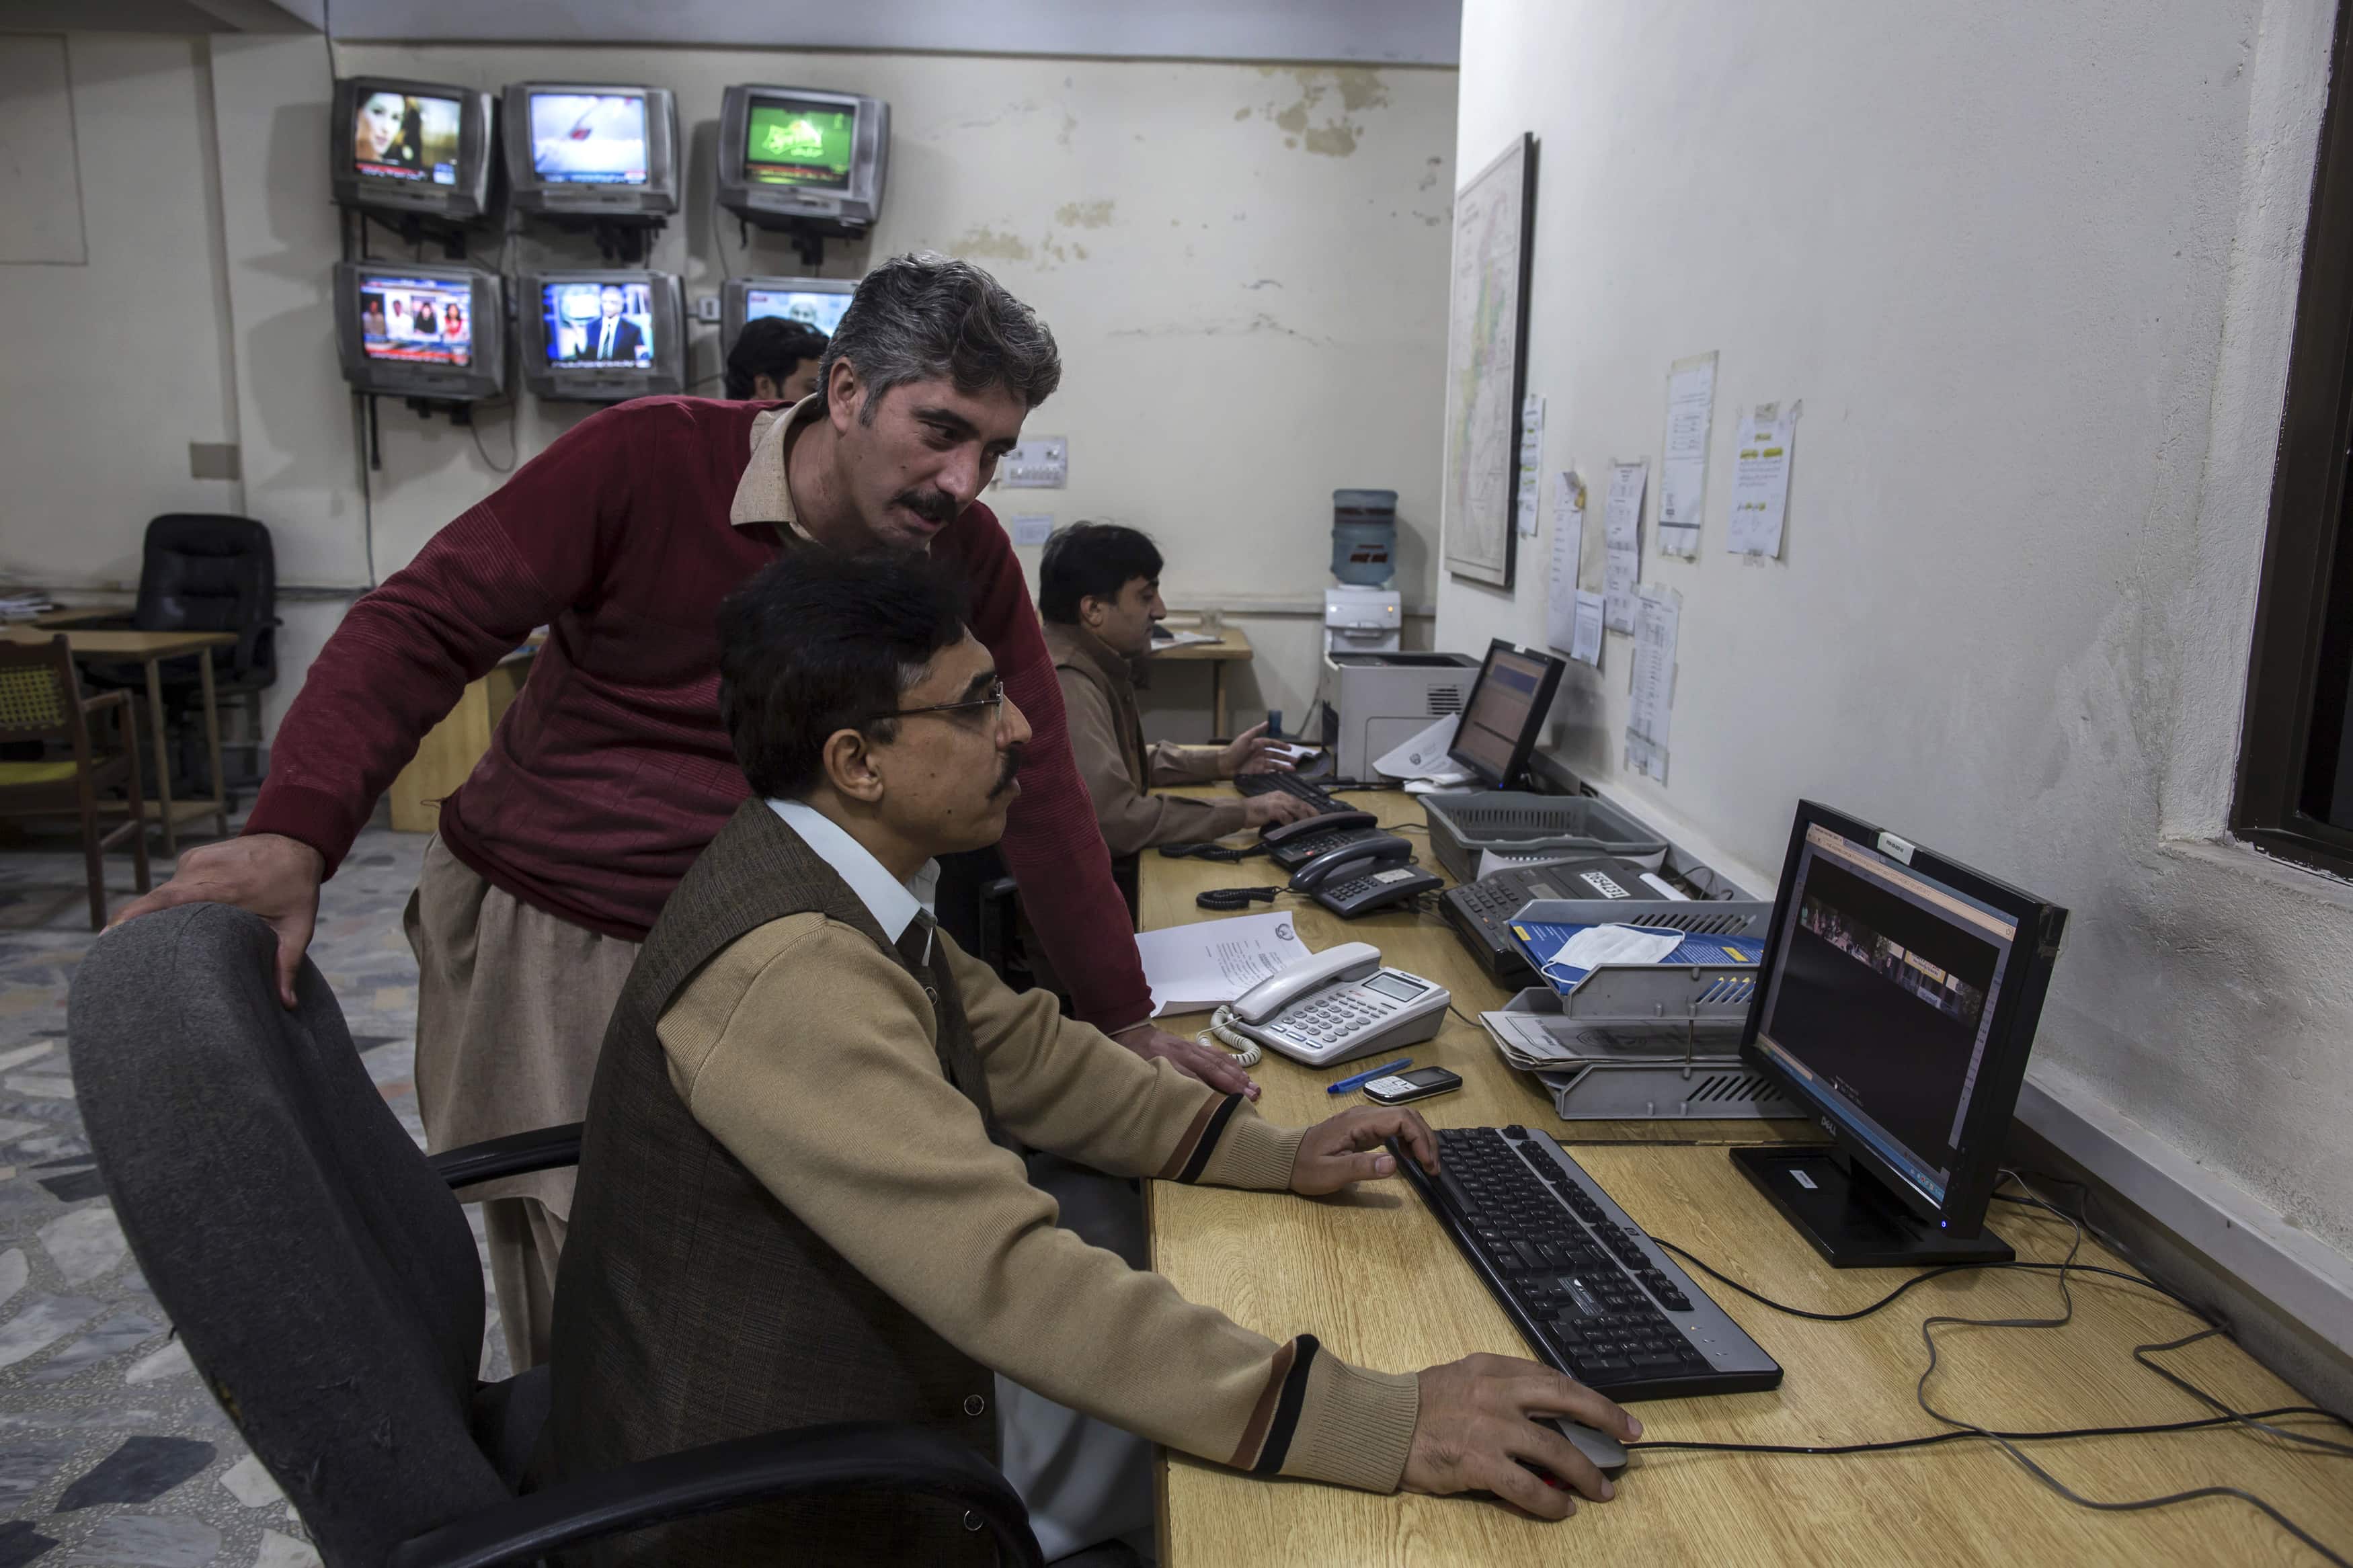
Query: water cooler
column 1362, row 614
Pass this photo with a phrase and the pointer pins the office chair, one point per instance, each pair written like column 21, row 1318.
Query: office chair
column 323, row 1279
column 206, row 572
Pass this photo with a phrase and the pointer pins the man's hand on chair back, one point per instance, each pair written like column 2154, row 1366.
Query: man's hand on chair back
column 275, row 877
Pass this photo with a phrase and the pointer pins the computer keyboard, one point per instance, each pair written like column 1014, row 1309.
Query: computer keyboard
column 1290, row 783
column 1592, row 1294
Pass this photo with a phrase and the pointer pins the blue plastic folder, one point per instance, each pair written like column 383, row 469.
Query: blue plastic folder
column 1539, row 942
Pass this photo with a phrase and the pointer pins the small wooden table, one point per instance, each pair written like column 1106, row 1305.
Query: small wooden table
column 1372, row 1276
column 151, row 649
column 1232, row 643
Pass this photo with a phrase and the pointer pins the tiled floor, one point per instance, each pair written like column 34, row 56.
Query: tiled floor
column 110, row 1450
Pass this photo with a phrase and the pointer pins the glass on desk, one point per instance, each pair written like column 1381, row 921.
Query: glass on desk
column 1213, row 620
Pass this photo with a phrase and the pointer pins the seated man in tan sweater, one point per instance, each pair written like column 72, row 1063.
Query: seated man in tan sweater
column 1099, row 595
column 800, row 1199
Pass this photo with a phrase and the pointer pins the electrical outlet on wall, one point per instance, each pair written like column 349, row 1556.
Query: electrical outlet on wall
column 1040, row 463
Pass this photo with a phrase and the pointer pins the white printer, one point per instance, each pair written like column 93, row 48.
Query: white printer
column 1384, row 700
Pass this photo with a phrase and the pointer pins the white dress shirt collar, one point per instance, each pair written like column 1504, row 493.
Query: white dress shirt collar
column 893, row 903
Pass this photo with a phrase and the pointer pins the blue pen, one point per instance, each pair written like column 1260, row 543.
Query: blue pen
column 1346, row 1084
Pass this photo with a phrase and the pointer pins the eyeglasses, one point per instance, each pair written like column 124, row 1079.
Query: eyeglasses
column 994, row 702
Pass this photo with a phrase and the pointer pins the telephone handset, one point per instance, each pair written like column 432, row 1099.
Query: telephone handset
column 1350, row 861
column 1283, row 833
column 1294, row 844
column 1335, row 1006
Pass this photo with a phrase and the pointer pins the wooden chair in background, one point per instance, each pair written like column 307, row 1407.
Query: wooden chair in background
column 41, row 700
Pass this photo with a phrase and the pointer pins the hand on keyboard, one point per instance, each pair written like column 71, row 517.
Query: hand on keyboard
column 1348, row 1148
column 1475, row 1432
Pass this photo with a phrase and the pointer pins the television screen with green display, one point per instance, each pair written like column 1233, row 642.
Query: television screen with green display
column 791, row 142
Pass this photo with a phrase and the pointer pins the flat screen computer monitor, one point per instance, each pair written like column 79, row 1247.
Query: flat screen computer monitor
column 589, row 150
column 819, row 301
column 1505, row 716
column 1896, row 1001
column 603, row 336
column 793, row 155
column 410, row 147
column 408, row 329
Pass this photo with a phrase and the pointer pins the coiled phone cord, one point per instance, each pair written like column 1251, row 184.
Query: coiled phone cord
column 1245, row 1051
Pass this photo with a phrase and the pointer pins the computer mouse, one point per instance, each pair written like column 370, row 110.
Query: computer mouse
column 1608, row 1453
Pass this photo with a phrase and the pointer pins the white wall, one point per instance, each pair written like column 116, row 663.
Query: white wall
column 2031, row 270
column 120, row 360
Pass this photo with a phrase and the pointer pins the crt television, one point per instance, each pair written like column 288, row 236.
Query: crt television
column 408, row 329
column 410, row 147
column 583, row 150
column 1505, row 716
column 602, row 336
column 801, row 157
column 819, row 301
column 1896, row 1001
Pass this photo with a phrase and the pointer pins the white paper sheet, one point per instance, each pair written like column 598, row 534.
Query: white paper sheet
column 1532, row 418
column 1657, row 618
column 1209, row 962
column 1682, row 476
column 1622, row 533
column 1585, row 646
column 1567, row 546
column 1760, row 480
column 1597, row 945
column 1424, row 756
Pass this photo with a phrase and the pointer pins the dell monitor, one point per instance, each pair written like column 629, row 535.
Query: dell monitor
column 1505, row 716
column 407, row 329
column 1897, row 1001
column 602, row 336
column 793, row 157
column 818, row 301
column 411, row 147
column 589, row 151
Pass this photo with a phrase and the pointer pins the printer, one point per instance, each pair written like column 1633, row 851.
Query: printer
column 1381, row 700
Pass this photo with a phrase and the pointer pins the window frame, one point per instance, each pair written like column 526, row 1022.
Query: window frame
column 2307, row 566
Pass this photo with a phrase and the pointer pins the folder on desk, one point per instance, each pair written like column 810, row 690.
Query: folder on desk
column 1540, row 940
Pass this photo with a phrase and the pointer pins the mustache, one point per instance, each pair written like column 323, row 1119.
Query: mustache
column 934, row 506
column 1013, row 756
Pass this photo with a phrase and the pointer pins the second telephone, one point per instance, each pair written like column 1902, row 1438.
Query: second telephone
column 1335, row 1006
column 1363, row 874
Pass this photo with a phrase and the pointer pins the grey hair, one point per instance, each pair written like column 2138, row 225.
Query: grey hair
column 921, row 317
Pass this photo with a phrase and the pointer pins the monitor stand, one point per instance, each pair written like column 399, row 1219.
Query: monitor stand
column 1850, row 1215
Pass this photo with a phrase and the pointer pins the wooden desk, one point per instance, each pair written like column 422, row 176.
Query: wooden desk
column 1232, row 643
column 1375, row 1279
column 151, row 648
column 451, row 748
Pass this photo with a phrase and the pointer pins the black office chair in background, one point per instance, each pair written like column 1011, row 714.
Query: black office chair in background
column 324, row 1280
column 206, row 572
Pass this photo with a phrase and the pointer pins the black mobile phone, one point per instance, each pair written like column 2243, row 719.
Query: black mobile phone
column 1418, row 1084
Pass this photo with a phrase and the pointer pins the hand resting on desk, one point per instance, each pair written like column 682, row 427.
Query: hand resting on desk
column 1477, row 1430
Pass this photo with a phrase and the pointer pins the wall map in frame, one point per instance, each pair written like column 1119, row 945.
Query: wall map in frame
column 1486, row 342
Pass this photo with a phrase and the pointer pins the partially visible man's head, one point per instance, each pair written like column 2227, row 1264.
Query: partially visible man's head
column 775, row 357
column 1106, row 578
column 610, row 298
column 930, row 373
column 854, row 680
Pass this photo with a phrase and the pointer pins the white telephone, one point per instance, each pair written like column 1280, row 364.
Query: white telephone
column 1334, row 1005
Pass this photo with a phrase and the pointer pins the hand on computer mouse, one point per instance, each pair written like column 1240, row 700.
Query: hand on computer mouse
column 1476, row 1432
column 1348, row 1148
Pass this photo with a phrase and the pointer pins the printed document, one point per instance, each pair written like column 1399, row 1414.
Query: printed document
column 1658, row 614
column 1760, row 482
column 1210, row 963
column 1682, row 477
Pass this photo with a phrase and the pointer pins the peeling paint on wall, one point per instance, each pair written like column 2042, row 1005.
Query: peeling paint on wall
column 1328, row 134
column 1084, row 215
column 992, row 242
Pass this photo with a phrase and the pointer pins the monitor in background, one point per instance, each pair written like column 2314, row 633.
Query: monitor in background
column 603, row 336
column 792, row 156
column 1898, row 999
column 819, row 301
column 598, row 151
column 1505, row 717
column 408, row 328
column 410, row 147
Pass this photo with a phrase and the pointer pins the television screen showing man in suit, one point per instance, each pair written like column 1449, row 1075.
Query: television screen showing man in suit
column 600, row 324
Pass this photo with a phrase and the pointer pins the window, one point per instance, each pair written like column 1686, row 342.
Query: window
column 2295, row 752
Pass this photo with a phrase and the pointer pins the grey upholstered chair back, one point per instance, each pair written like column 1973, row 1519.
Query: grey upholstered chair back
column 323, row 1279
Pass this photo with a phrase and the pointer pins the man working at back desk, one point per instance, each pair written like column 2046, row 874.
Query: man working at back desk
column 1099, row 591
column 610, row 772
column 799, row 1201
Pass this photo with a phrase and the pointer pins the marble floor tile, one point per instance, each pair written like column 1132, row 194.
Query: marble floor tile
column 140, row 1471
column 85, row 1244
column 150, row 1540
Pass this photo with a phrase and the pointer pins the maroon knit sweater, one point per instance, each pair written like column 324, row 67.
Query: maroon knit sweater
column 611, row 771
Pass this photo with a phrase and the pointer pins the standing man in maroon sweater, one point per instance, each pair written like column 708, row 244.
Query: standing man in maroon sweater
column 612, row 771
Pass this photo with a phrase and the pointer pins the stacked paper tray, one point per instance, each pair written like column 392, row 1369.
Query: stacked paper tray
column 1668, row 1066
column 1723, row 940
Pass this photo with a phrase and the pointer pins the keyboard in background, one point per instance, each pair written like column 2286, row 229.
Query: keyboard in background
column 1592, row 1294
column 1290, row 783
